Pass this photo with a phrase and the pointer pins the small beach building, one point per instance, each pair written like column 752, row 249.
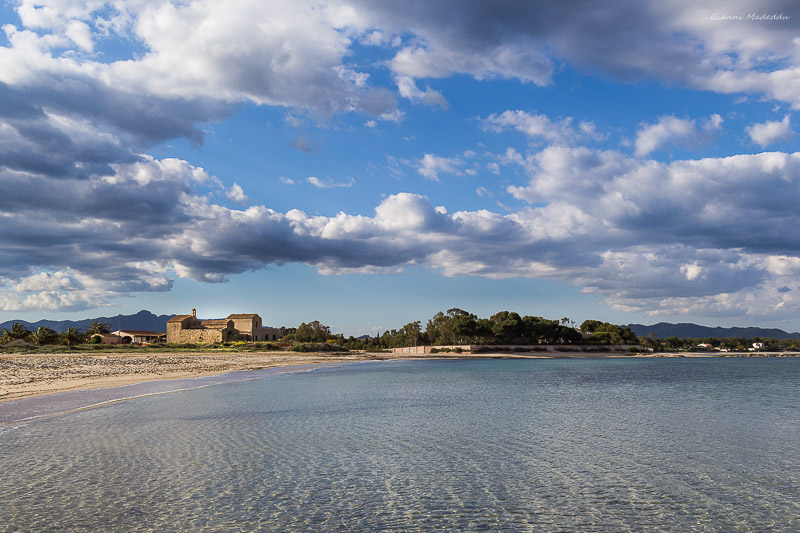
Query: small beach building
column 135, row 336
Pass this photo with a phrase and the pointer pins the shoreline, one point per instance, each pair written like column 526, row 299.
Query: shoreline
column 32, row 375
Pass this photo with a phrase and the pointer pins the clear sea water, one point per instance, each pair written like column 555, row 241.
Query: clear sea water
column 706, row 444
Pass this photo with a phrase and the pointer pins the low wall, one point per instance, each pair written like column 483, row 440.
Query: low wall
column 533, row 348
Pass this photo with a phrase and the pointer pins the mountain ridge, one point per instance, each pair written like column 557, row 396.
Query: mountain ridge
column 687, row 330
column 143, row 320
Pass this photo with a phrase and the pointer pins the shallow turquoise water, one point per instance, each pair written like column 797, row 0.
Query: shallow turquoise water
column 605, row 444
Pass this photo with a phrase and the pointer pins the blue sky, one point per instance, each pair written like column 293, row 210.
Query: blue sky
column 367, row 165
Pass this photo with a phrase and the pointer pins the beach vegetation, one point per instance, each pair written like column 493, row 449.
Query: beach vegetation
column 445, row 331
column 17, row 331
column 97, row 328
column 72, row 336
column 313, row 331
column 43, row 335
column 316, row 347
column 598, row 332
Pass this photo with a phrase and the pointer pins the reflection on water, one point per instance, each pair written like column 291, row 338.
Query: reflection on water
column 711, row 444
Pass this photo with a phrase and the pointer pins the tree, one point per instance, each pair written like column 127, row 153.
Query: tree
column 18, row 331
column 506, row 326
column 411, row 333
column 462, row 325
column 286, row 334
column 72, row 336
column 97, row 328
column 590, row 326
column 312, row 332
column 438, row 329
column 607, row 333
column 43, row 335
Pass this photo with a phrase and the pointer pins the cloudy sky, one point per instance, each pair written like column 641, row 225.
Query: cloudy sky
column 368, row 163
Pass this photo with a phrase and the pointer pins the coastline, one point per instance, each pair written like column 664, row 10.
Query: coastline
column 32, row 375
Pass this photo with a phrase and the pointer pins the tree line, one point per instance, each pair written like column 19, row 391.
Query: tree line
column 456, row 326
column 44, row 335
column 452, row 327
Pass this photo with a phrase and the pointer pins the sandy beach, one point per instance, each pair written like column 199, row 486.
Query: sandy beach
column 24, row 376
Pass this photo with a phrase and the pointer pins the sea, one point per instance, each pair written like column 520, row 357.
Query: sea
column 620, row 444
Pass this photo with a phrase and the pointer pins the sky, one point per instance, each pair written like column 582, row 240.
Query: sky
column 368, row 164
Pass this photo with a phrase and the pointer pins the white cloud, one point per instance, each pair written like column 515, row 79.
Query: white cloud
column 293, row 53
column 595, row 223
column 483, row 192
column 80, row 34
column 431, row 165
column 329, row 184
column 200, row 50
column 673, row 130
column 392, row 116
column 45, row 281
column 712, row 235
column 236, row 193
column 508, row 59
column 407, row 88
column 532, row 125
column 771, row 132
column 691, row 271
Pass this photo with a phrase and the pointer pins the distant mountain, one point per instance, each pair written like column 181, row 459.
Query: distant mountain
column 143, row 321
column 693, row 331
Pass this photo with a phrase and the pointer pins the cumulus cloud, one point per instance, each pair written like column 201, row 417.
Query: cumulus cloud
column 675, row 131
column 296, row 54
column 74, row 129
column 541, row 127
column 679, row 42
column 594, row 222
column 236, row 193
column 532, row 125
column 771, row 132
column 431, row 165
column 407, row 88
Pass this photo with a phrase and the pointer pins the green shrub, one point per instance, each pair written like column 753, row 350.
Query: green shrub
column 316, row 347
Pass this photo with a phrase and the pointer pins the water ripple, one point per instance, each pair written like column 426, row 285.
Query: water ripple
column 600, row 445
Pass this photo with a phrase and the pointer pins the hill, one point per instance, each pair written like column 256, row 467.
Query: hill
column 694, row 331
column 143, row 320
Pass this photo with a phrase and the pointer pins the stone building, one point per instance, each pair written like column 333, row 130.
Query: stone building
column 238, row 327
